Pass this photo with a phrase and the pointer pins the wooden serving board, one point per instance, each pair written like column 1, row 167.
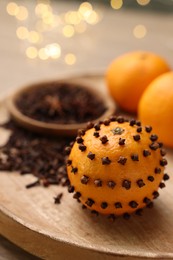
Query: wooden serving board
column 30, row 219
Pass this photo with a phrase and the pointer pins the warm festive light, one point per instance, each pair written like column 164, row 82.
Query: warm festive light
column 31, row 52
column 42, row 9
column 42, row 54
column 68, row 31
column 22, row 13
column 92, row 17
column 70, row 59
column 34, row 37
column 143, row 2
column 116, row 4
column 139, row 31
column 45, row 21
column 12, row 8
column 53, row 50
column 84, row 8
column 72, row 17
column 22, row 33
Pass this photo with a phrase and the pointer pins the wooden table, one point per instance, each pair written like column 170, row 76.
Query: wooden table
column 111, row 37
column 11, row 252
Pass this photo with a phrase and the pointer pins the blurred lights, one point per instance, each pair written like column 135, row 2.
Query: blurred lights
column 68, row 24
column 42, row 10
column 72, row 17
column 68, row 31
column 48, row 18
column 116, row 4
column 12, row 8
column 33, row 37
column 53, row 50
column 22, row 32
column 92, row 18
column 143, row 2
column 84, row 8
column 31, row 52
column 70, row 59
column 49, row 51
column 42, row 54
column 22, row 13
column 139, row 31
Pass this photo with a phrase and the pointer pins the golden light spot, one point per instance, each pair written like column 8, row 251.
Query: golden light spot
column 139, row 31
column 42, row 54
column 70, row 59
column 22, row 13
column 116, row 4
column 42, row 9
column 12, row 8
column 31, row 52
column 22, row 32
column 33, row 37
column 48, row 18
column 53, row 50
column 85, row 7
column 68, row 31
column 72, row 17
column 143, row 2
column 92, row 17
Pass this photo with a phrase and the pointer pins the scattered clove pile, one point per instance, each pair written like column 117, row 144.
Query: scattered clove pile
column 30, row 153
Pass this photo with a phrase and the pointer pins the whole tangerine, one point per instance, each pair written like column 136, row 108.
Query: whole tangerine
column 116, row 167
column 128, row 76
column 156, row 107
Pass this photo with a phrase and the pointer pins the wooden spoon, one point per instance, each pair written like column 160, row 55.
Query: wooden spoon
column 55, row 128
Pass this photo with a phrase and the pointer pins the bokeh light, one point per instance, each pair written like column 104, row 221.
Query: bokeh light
column 84, row 8
column 92, row 17
column 70, row 59
column 33, row 37
column 22, row 33
column 68, row 31
column 12, row 8
column 143, row 2
column 42, row 9
column 31, row 52
column 116, row 4
column 139, row 31
column 53, row 50
column 22, row 13
column 72, row 17
column 45, row 20
column 42, row 54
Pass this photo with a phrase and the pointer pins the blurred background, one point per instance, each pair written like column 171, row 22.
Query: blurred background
column 47, row 39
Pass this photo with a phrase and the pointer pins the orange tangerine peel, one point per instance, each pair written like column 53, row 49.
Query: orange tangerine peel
column 116, row 166
column 156, row 107
column 130, row 74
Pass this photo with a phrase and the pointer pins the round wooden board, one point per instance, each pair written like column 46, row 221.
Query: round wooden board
column 30, row 219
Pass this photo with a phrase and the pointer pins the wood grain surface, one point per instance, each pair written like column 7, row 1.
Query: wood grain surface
column 9, row 251
column 30, row 219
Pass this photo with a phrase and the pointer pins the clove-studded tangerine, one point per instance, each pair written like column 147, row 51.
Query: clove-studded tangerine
column 121, row 175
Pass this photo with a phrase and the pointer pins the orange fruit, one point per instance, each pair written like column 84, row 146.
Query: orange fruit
column 128, row 76
column 116, row 167
column 156, row 107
